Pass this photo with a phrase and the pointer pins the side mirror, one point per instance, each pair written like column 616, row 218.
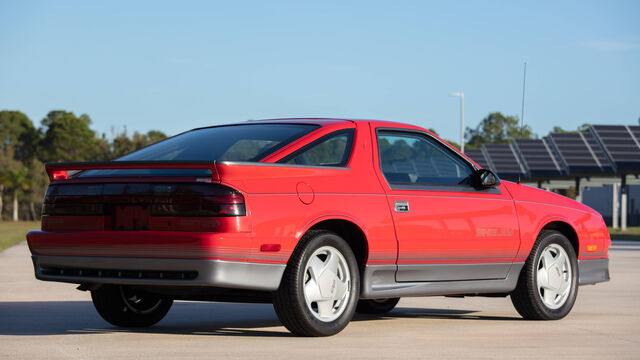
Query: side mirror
column 484, row 179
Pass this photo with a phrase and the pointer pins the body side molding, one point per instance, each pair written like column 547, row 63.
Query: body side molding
column 379, row 281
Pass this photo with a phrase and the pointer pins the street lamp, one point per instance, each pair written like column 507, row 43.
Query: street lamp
column 461, row 96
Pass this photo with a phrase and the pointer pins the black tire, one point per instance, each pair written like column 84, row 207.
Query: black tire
column 526, row 298
column 376, row 306
column 128, row 307
column 289, row 300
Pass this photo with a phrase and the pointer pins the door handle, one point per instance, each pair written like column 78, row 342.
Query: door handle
column 401, row 206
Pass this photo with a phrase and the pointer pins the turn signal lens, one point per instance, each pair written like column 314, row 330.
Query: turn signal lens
column 270, row 247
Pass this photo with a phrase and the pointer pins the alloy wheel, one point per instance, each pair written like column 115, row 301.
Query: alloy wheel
column 327, row 285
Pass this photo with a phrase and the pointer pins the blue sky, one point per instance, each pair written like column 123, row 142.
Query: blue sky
column 178, row 65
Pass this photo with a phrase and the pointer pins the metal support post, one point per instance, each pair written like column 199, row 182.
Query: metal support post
column 623, row 203
column 614, row 212
column 578, row 191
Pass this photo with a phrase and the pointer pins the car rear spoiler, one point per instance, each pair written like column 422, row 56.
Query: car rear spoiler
column 60, row 170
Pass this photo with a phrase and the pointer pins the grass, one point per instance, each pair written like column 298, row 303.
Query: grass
column 12, row 233
column 631, row 230
column 632, row 233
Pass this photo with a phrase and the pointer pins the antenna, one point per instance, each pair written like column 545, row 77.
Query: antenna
column 524, row 83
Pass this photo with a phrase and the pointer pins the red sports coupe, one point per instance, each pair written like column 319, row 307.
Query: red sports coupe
column 321, row 217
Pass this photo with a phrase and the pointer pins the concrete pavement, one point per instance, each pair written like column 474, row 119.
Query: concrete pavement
column 41, row 320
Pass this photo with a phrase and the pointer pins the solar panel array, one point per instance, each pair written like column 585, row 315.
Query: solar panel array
column 579, row 153
column 604, row 150
column 504, row 161
column 538, row 159
column 598, row 152
column 478, row 156
column 635, row 130
column 621, row 143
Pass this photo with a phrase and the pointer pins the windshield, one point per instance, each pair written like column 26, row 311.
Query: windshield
column 246, row 142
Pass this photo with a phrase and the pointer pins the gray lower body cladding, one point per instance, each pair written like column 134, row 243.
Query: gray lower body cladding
column 158, row 272
column 379, row 281
column 593, row 271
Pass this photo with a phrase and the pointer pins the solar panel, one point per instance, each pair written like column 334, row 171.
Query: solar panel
column 621, row 144
column 579, row 153
column 598, row 152
column 635, row 130
column 504, row 161
column 478, row 156
column 537, row 158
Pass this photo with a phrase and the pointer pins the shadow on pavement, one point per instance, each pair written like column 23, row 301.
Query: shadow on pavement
column 186, row 318
column 404, row 313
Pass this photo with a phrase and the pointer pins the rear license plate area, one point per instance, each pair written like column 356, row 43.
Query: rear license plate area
column 131, row 217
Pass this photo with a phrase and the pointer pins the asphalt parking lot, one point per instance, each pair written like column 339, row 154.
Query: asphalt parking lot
column 40, row 320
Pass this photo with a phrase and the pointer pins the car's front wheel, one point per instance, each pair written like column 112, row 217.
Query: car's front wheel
column 319, row 289
column 129, row 307
column 548, row 285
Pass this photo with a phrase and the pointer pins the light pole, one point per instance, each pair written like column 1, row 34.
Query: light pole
column 461, row 96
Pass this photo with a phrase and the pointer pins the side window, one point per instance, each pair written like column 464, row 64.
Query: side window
column 330, row 150
column 407, row 158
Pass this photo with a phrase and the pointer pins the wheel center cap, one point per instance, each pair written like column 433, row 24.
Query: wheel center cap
column 327, row 284
column 555, row 278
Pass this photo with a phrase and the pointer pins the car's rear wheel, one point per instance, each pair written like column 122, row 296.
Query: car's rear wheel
column 376, row 306
column 548, row 285
column 129, row 307
column 319, row 289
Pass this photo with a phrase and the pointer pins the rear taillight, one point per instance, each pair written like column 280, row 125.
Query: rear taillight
column 59, row 175
column 175, row 199
column 66, row 209
column 188, row 210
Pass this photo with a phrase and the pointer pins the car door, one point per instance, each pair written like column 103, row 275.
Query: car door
column 446, row 229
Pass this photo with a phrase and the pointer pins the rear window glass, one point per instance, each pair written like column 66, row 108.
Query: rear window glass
column 246, row 142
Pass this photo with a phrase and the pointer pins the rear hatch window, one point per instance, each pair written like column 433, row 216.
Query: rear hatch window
column 245, row 142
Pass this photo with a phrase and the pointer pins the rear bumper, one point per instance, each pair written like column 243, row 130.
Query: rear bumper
column 593, row 271
column 160, row 272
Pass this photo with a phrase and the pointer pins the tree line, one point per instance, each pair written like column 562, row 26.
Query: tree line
column 61, row 136
column 497, row 128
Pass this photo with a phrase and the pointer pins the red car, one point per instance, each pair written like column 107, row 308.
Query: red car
column 321, row 217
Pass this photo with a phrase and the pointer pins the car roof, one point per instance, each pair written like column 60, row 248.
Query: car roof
column 324, row 121
column 374, row 123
